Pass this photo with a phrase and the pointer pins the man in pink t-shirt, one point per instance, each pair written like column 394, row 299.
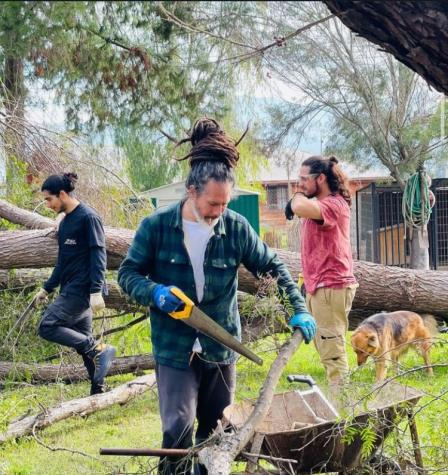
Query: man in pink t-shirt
column 327, row 264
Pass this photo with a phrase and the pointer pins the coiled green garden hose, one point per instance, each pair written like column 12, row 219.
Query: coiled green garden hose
column 416, row 205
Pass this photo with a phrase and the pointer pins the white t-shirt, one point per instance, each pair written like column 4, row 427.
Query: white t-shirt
column 196, row 237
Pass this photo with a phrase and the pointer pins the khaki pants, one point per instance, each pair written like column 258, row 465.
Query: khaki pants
column 330, row 308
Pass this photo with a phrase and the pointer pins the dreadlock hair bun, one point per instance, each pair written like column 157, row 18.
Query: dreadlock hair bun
column 210, row 143
column 202, row 128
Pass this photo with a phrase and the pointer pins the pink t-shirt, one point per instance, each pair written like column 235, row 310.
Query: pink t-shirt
column 325, row 246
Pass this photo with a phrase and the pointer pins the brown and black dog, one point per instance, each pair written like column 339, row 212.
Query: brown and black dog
column 386, row 336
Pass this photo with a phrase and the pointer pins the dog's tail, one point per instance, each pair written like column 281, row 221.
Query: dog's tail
column 430, row 323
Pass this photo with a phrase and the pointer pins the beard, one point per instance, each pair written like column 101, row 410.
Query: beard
column 314, row 192
column 207, row 221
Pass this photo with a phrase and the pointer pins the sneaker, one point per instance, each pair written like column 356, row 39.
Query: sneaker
column 97, row 389
column 103, row 356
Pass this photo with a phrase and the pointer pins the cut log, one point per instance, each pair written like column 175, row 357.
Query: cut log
column 78, row 407
column 47, row 373
column 381, row 287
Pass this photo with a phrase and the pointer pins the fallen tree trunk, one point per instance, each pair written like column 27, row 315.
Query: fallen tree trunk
column 78, row 407
column 218, row 457
column 254, row 326
column 47, row 373
column 117, row 239
column 381, row 287
column 39, row 248
column 30, row 278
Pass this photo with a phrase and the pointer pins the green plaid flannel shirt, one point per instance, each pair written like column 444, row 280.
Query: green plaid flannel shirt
column 158, row 256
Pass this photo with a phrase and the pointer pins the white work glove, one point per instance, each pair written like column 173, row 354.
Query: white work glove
column 41, row 297
column 97, row 302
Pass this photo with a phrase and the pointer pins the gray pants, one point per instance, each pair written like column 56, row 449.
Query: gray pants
column 68, row 321
column 201, row 391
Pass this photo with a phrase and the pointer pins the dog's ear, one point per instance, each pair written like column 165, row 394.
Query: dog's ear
column 373, row 341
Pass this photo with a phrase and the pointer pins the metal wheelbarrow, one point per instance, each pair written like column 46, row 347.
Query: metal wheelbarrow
column 302, row 432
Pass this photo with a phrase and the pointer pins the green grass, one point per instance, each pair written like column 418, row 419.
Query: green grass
column 137, row 423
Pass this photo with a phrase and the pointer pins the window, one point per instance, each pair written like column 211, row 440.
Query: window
column 277, row 196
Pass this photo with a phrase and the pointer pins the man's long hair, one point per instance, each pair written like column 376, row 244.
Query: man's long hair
column 336, row 178
column 54, row 184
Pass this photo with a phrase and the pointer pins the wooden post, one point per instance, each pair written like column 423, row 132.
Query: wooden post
column 416, row 443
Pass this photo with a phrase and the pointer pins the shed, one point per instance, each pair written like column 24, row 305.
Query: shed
column 244, row 202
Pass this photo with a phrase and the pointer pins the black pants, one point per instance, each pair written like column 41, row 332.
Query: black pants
column 201, row 391
column 68, row 322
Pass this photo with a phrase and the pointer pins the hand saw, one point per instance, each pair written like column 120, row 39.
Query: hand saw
column 196, row 318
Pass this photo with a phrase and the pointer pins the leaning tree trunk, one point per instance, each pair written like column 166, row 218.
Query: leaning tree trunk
column 414, row 32
column 381, row 287
column 218, row 457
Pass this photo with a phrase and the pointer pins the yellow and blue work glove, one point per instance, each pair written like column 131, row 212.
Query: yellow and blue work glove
column 305, row 323
column 164, row 299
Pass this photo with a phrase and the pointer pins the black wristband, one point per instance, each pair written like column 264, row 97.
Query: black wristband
column 289, row 213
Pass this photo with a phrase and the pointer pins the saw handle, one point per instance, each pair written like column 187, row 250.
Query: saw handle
column 185, row 312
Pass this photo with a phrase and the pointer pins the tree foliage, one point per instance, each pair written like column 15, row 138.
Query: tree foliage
column 143, row 71
column 149, row 162
column 121, row 62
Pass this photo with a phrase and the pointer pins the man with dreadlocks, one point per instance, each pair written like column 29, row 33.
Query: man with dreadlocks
column 327, row 264
column 197, row 245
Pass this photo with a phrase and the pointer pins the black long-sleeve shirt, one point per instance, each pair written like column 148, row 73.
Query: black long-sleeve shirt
column 81, row 260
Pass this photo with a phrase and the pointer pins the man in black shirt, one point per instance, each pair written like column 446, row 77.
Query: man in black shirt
column 79, row 272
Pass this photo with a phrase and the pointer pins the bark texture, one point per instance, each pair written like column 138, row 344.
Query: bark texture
column 416, row 33
column 48, row 373
column 381, row 287
column 254, row 326
column 78, row 407
column 39, row 248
